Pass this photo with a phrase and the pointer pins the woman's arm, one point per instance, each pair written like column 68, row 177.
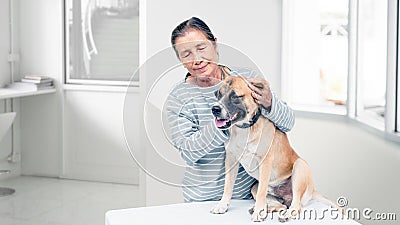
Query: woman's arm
column 192, row 141
column 279, row 113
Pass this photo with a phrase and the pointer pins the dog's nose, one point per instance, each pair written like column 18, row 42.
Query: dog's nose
column 216, row 110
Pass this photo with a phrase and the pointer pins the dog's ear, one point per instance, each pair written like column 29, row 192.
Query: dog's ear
column 259, row 85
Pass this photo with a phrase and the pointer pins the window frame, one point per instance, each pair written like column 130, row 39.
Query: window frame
column 68, row 81
column 391, row 127
column 392, row 122
column 393, row 84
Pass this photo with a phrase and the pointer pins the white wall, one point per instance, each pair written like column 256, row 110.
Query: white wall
column 5, row 144
column 94, row 144
column 5, row 78
column 4, row 43
column 254, row 28
column 349, row 161
column 41, row 116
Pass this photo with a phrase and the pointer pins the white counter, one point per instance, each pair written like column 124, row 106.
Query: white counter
column 199, row 213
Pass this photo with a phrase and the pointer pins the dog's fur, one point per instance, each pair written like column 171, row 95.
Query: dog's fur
column 284, row 179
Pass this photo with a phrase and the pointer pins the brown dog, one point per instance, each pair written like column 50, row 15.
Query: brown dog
column 285, row 180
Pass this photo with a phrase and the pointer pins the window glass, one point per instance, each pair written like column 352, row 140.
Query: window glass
column 372, row 59
column 319, row 53
column 103, row 39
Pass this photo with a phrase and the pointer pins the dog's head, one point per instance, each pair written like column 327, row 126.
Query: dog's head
column 235, row 104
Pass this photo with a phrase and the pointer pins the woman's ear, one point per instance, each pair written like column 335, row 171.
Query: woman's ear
column 214, row 43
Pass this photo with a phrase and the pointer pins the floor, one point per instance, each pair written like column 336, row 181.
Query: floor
column 50, row 201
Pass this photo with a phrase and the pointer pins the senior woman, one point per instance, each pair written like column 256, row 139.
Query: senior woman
column 193, row 129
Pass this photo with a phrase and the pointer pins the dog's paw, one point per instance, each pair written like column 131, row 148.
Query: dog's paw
column 251, row 210
column 283, row 219
column 220, row 208
column 259, row 214
column 291, row 213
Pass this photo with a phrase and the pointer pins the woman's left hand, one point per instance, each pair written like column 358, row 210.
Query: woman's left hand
column 261, row 92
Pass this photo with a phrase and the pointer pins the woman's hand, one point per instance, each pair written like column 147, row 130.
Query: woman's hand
column 261, row 92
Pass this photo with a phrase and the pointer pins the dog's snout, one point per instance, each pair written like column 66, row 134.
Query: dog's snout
column 216, row 110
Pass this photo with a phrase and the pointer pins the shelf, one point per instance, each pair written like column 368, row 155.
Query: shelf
column 6, row 93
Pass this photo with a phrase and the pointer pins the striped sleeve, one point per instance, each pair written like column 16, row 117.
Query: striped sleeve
column 192, row 141
column 280, row 114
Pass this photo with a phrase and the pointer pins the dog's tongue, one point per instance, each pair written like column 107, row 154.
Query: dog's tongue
column 221, row 123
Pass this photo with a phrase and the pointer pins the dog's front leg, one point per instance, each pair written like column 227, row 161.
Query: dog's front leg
column 260, row 207
column 231, row 171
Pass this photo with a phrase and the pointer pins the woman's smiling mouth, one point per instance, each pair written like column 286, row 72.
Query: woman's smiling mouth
column 202, row 69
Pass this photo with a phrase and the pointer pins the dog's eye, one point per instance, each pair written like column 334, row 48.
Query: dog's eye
column 237, row 99
column 237, row 96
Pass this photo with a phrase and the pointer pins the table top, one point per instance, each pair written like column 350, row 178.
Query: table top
column 199, row 213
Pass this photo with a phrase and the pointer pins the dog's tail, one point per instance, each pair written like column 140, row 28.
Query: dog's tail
column 319, row 197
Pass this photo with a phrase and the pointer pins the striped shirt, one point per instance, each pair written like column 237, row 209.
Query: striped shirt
column 201, row 144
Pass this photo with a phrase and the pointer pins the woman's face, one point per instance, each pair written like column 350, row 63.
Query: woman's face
column 198, row 54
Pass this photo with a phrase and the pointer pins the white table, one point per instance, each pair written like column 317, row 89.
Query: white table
column 15, row 90
column 198, row 213
column 6, row 93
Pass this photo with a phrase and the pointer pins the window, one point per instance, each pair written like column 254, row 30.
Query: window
column 339, row 57
column 394, row 19
column 392, row 112
column 397, row 117
column 371, row 61
column 102, row 41
column 315, row 54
